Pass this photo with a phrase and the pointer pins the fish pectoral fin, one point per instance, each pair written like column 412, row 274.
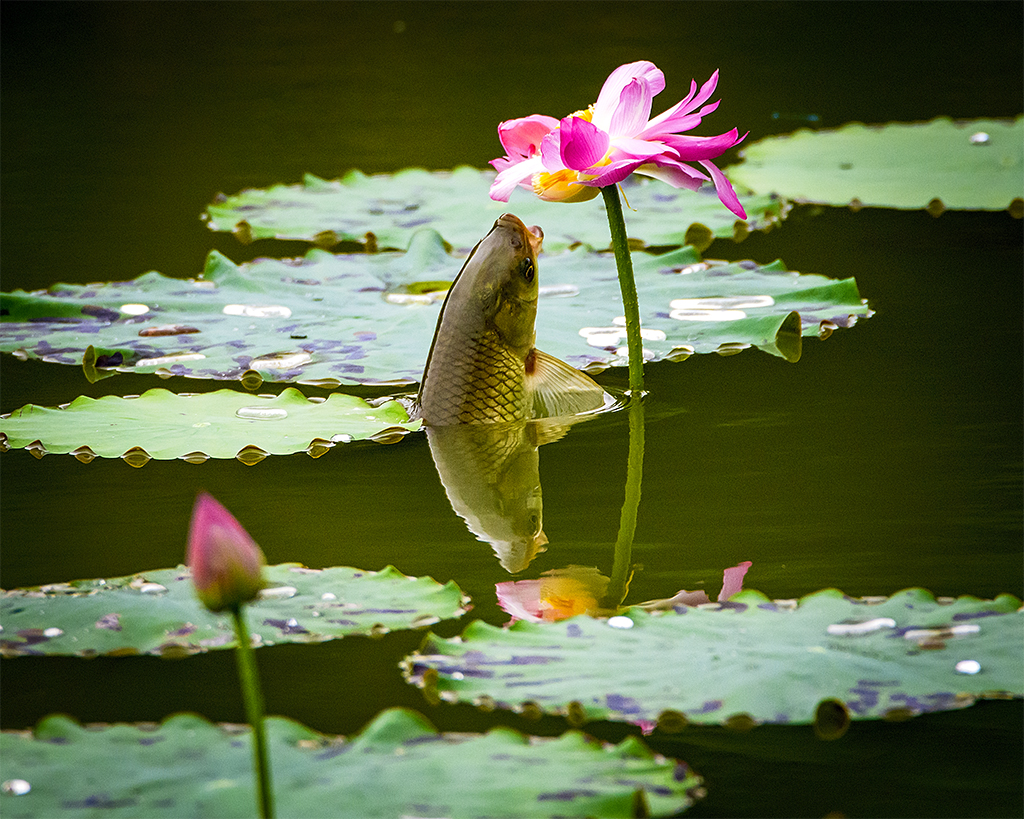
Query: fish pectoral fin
column 560, row 390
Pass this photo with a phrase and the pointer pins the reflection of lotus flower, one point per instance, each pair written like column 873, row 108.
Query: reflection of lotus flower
column 557, row 595
column 569, row 160
column 226, row 563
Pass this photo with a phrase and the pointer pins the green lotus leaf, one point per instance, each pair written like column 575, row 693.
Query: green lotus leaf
column 399, row 765
column 329, row 319
column 197, row 426
column 391, row 207
column 746, row 660
column 974, row 165
column 157, row 612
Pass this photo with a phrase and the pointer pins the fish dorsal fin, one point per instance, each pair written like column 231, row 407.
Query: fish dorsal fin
column 558, row 389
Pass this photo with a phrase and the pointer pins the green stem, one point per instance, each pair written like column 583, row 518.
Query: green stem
column 627, row 284
column 250, row 680
column 619, row 583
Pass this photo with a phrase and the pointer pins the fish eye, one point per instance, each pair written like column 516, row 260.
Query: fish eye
column 526, row 269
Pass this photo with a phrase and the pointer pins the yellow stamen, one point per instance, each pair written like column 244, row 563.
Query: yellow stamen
column 587, row 113
column 624, row 199
column 557, row 187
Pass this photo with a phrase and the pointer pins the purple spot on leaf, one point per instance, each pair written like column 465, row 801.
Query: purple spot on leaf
column 624, row 705
column 968, row 615
column 565, row 796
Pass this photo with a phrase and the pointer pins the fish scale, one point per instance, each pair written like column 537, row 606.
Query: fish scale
column 482, row 383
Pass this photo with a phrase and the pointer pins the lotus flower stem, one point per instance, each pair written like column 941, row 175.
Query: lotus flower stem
column 619, row 582
column 630, row 305
column 250, row 681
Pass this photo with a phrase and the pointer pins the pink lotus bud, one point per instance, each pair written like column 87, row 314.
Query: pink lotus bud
column 226, row 563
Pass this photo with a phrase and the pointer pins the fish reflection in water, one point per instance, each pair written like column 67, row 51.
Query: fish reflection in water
column 488, row 398
column 491, row 474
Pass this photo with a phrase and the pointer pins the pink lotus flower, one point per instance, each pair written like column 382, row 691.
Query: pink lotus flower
column 571, row 159
column 226, row 563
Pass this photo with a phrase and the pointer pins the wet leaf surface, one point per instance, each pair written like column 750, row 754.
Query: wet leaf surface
column 938, row 165
column 362, row 318
column 198, row 426
column 399, row 765
column 456, row 203
column 743, row 662
column 157, row 612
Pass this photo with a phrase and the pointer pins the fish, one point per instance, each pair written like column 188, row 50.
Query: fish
column 483, row 366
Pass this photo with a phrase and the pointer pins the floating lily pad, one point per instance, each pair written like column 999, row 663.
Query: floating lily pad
column 198, row 426
column 157, row 612
column 329, row 319
column 749, row 659
column 391, row 207
column 399, row 765
column 974, row 165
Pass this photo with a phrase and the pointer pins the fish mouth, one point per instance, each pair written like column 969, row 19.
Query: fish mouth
column 532, row 235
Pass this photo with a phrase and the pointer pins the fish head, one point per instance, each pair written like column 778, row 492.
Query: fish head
column 502, row 279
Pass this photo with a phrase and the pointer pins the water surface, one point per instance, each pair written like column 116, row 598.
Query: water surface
column 888, row 457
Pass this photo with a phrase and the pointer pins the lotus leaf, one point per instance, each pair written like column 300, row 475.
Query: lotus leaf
column 391, row 207
column 749, row 659
column 399, row 765
column 974, row 165
column 198, row 426
column 329, row 319
column 157, row 612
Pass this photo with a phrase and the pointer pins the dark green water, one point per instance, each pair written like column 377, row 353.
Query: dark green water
column 889, row 456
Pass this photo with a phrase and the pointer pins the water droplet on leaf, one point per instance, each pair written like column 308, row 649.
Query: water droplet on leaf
column 968, row 667
column 278, row 593
column 281, row 361
column 620, row 621
column 261, row 413
column 16, row 787
column 559, row 291
column 706, row 315
column 858, row 628
column 257, row 310
column 723, row 303
column 160, row 361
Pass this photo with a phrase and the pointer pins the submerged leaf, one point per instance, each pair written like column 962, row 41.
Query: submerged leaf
column 399, row 765
column 369, row 318
column 974, row 165
column 158, row 612
column 197, row 426
column 747, row 660
column 388, row 208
